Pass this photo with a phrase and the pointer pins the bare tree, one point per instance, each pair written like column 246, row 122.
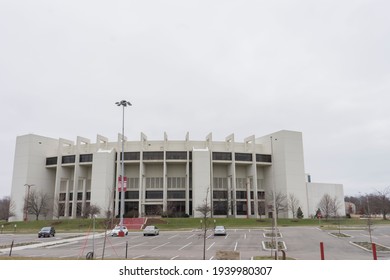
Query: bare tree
column 109, row 214
column 58, row 209
column 38, row 203
column 329, row 206
column 261, row 208
column 205, row 209
column 382, row 202
column 91, row 210
column 7, row 208
column 293, row 204
column 280, row 202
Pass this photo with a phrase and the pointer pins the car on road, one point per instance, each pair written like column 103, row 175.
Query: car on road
column 220, row 230
column 115, row 231
column 151, row 230
column 47, row 232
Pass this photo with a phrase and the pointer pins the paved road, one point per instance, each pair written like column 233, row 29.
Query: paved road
column 301, row 242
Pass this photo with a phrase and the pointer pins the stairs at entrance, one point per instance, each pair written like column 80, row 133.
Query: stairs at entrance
column 134, row 223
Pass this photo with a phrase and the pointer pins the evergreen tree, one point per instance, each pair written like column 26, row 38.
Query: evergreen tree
column 299, row 213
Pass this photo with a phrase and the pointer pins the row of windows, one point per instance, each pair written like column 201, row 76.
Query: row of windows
column 172, row 182
column 180, row 183
column 222, row 208
column 222, row 156
column 67, row 183
column 182, row 195
column 222, row 183
column 219, row 183
column 79, row 205
column 132, row 183
column 240, row 157
column 69, row 159
column 176, row 182
column 239, row 195
column 62, row 196
column 174, row 208
column 154, row 182
column 170, row 194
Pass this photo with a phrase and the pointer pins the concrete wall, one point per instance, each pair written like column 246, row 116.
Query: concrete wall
column 287, row 172
column 30, row 168
column 103, row 180
column 315, row 192
column 201, row 167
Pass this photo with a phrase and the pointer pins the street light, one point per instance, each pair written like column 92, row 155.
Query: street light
column 27, row 200
column 124, row 104
column 274, row 199
column 369, row 219
column 93, row 236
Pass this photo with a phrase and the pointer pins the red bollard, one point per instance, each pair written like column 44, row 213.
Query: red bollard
column 373, row 246
column 322, row 251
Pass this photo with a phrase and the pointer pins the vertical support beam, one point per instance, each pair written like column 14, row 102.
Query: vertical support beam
column 248, row 197
column 165, row 175
column 188, row 177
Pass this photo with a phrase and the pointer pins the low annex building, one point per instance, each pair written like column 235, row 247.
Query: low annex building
column 166, row 177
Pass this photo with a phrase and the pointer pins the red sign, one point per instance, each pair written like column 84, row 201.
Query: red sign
column 120, row 183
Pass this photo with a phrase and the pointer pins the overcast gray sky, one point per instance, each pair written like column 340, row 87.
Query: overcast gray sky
column 244, row 67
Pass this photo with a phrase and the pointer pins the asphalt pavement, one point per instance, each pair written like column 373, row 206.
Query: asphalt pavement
column 302, row 243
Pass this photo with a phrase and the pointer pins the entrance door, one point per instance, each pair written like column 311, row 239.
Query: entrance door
column 153, row 210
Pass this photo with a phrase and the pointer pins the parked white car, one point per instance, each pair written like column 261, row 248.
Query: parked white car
column 220, row 230
column 151, row 230
column 115, row 231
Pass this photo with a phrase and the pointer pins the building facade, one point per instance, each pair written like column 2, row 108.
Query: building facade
column 166, row 177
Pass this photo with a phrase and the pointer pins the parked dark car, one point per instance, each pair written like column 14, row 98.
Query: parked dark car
column 47, row 232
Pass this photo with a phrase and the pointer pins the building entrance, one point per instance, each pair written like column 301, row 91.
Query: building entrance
column 153, row 210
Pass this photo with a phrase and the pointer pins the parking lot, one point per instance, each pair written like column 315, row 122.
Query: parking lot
column 302, row 243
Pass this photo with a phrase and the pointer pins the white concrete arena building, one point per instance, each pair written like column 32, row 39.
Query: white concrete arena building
column 165, row 177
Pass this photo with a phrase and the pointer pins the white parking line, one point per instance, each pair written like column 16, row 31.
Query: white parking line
column 210, row 246
column 211, row 258
column 137, row 245
column 156, row 236
column 185, row 246
column 63, row 244
column 175, row 257
column 70, row 256
column 226, row 236
column 235, row 247
column 190, row 236
column 159, row 246
column 245, row 236
column 366, row 235
column 135, row 237
column 137, row 257
column 173, row 236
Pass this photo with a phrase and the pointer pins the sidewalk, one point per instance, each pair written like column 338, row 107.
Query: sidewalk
column 54, row 242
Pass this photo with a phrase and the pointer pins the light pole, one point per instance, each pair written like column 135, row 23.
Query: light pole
column 27, row 200
column 124, row 104
column 369, row 219
column 274, row 200
column 93, row 236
